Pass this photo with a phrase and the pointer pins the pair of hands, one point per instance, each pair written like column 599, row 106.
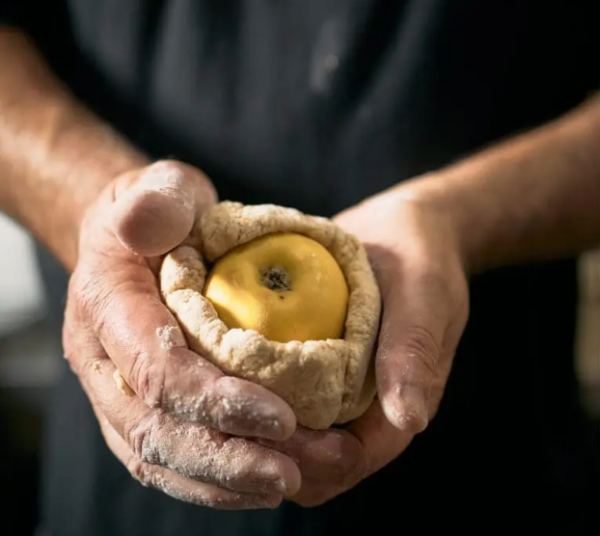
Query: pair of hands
column 214, row 440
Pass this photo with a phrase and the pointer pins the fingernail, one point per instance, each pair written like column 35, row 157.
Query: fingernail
column 408, row 409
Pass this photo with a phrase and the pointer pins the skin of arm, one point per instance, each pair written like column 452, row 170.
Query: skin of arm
column 533, row 197
column 55, row 156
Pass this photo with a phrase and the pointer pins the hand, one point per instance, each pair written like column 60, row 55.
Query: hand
column 176, row 431
column 415, row 254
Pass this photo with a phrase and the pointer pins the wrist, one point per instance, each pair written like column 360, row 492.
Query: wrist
column 92, row 156
column 438, row 196
column 531, row 198
column 88, row 178
column 55, row 155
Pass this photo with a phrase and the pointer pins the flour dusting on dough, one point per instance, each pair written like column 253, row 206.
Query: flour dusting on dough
column 325, row 382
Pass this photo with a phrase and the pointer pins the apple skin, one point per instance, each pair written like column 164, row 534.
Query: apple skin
column 286, row 286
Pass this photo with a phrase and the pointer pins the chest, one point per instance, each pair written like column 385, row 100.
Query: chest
column 320, row 103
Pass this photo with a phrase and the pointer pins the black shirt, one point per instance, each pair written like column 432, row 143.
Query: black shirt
column 318, row 104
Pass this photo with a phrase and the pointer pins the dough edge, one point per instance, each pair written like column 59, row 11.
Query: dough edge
column 327, row 382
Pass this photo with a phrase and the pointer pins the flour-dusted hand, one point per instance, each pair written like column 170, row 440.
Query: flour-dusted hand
column 416, row 258
column 425, row 237
column 169, row 415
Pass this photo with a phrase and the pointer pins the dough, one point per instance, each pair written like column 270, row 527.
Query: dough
column 325, row 382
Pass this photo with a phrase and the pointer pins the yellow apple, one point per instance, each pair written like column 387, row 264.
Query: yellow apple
column 286, row 286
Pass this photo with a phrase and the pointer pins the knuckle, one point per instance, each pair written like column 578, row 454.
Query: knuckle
column 148, row 381
column 139, row 437
column 139, row 471
column 89, row 300
column 421, row 345
column 435, row 279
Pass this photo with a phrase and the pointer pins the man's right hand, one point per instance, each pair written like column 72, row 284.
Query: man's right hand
column 187, row 429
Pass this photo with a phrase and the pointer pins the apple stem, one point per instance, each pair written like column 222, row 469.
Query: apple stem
column 275, row 278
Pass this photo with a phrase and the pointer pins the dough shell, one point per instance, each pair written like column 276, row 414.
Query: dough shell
column 326, row 382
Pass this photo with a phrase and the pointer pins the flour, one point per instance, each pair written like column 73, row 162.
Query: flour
column 324, row 382
column 204, row 454
column 169, row 180
column 211, row 497
column 170, row 337
column 225, row 408
column 408, row 415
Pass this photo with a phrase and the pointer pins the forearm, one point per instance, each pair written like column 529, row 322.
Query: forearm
column 534, row 197
column 55, row 156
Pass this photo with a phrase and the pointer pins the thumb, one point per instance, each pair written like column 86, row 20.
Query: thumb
column 409, row 350
column 155, row 207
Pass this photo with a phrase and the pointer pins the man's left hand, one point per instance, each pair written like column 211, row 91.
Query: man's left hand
column 415, row 254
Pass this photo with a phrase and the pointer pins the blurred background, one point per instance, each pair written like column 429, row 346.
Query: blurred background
column 30, row 351
column 29, row 354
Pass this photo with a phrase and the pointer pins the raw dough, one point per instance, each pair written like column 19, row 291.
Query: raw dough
column 325, row 381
